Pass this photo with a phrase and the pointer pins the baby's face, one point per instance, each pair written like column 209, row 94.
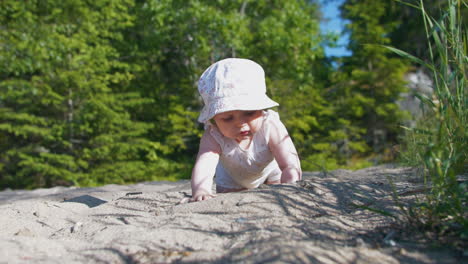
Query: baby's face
column 239, row 125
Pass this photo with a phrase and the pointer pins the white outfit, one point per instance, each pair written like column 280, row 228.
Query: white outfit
column 246, row 168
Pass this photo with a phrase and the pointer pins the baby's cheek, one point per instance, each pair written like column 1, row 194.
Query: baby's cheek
column 256, row 125
column 225, row 131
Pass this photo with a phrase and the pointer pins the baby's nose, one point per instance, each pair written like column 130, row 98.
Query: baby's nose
column 241, row 123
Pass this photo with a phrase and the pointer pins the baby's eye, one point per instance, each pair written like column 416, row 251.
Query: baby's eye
column 227, row 119
column 250, row 113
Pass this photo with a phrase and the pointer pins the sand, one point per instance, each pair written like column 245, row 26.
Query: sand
column 318, row 220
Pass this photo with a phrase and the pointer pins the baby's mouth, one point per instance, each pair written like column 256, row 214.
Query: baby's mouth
column 244, row 133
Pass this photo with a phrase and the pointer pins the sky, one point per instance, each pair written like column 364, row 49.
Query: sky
column 333, row 23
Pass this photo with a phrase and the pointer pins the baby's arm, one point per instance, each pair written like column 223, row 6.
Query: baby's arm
column 205, row 168
column 285, row 153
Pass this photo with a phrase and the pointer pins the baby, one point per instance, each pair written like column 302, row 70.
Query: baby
column 244, row 144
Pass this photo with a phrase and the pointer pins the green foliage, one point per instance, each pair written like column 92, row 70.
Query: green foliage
column 439, row 143
column 369, row 83
column 410, row 36
column 64, row 117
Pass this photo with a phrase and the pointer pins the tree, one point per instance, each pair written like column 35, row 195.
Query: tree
column 64, row 116
column 371, row 80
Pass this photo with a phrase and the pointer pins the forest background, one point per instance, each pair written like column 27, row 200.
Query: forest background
column 104, row 91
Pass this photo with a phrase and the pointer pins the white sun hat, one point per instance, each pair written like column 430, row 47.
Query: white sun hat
column 233, row 84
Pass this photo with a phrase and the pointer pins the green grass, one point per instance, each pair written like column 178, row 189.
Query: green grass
column 439, row 142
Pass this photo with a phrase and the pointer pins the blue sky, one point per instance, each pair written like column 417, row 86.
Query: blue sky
column 333, row 23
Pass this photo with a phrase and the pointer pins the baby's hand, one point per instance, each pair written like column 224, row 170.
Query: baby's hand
column 202, row 197
column 197, row 198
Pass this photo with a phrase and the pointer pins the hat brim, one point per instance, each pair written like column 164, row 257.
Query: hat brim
column 245, row 102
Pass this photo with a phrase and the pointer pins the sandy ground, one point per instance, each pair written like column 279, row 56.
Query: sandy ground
column 318, row 220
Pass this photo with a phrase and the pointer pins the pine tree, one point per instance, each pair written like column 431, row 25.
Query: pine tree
column 65, row 117
column 372, row 77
